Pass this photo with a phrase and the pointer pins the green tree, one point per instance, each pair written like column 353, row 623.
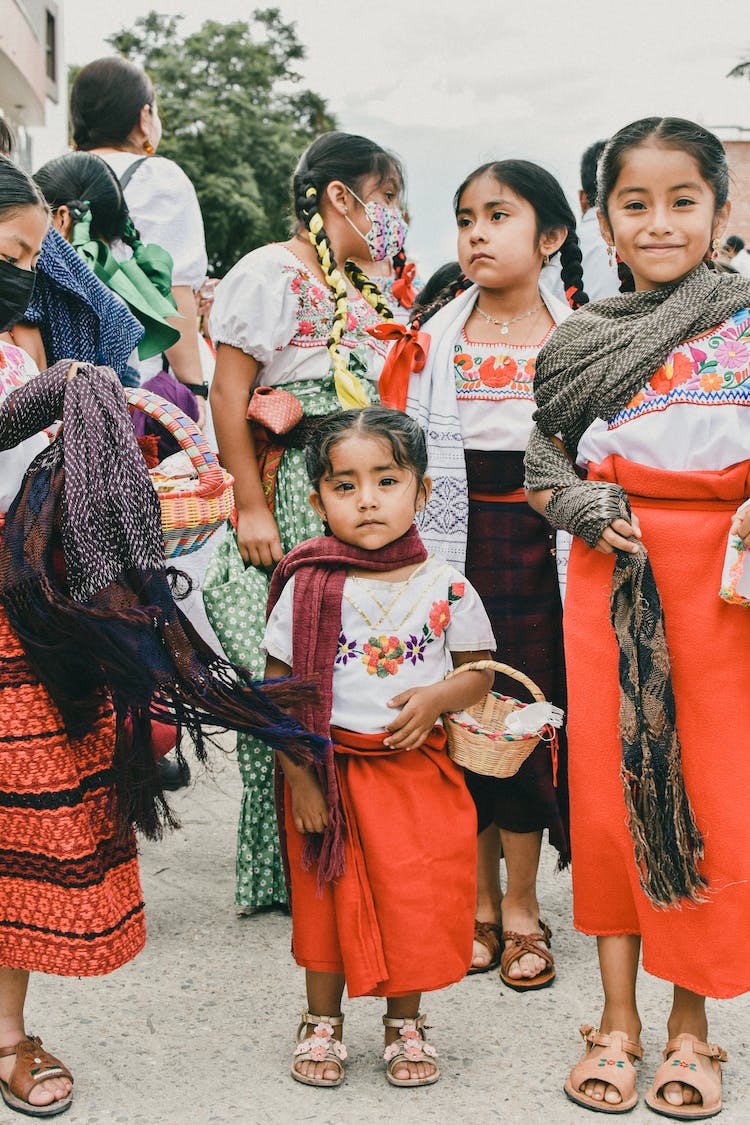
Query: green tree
column 234, row 119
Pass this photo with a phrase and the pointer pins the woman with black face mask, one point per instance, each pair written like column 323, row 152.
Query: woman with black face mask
column 70, row 895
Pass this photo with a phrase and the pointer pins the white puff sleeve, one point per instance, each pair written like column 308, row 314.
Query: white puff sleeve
column 469, row 629
column 277, row 640
column 165, row 209
column 255, row 308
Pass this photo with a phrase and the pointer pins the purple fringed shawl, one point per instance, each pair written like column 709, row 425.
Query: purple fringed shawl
column 106, row 621
column 319, row 566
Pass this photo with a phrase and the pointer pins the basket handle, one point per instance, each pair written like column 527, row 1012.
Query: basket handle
column 494, row 666
column 186, row 433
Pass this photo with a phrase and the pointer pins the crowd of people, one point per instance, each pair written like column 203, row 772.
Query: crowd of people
column 535, row 456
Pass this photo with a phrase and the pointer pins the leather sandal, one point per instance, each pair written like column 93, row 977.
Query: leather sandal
column 33, row 1065
column 488, row 935
column 411, row 1046
column 320, row 1047
column 681, row 1064
column 612, row 1066
column 516, row 946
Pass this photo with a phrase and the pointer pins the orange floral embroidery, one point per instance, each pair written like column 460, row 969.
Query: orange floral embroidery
column 500, row 375
column 440, row 617
column 711, row 381
column 678, row 369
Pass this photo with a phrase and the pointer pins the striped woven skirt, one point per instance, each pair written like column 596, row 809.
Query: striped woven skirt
column 510, row 562
column 70, row 893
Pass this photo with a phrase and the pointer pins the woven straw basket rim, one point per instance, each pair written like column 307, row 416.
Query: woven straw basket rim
column 487, row 748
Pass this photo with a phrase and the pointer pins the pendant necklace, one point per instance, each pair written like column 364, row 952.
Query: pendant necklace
column 504, row 325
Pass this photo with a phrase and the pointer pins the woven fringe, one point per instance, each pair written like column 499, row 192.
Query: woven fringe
column 667, row 842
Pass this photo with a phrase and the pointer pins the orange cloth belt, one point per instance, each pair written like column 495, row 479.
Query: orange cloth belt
column 517, row 496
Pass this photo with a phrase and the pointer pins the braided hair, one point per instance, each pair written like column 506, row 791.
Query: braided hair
column 540, row 188
column 351, row 159
column 446, row 294
column 670, row 132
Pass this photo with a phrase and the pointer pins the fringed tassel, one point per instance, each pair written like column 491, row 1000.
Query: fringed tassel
column 326, row 851
column 667, row 841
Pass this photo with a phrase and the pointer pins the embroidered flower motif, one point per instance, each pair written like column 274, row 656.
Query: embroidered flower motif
column 498, row 371
column 463, row 361
column 530, row 368
column 305, row 327
column 456, row 591
column 678, row 369
column 347, row 651
column 711, row 380
column 382, row 656
column 414, row 649
column 440, row 616
column 732, row 354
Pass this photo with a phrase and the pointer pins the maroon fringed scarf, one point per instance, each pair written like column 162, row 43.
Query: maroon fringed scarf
column 105, row 622
column 319, row 566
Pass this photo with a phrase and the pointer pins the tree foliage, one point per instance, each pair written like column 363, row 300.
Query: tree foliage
column 234, row 119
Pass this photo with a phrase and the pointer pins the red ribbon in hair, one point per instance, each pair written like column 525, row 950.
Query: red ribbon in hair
column 408, row 353
column 403, row 286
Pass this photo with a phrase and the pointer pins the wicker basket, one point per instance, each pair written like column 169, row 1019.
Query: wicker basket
column 486, row 747
column 188, row 518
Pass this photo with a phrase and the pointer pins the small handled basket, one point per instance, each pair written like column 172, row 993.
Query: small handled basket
column 485, row 746
column 188, row 518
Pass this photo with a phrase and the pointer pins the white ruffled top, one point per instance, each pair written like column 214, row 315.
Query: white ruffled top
column 16, row 368
column 272, row 308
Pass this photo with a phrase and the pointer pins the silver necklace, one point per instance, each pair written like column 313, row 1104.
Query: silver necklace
column 504, row 325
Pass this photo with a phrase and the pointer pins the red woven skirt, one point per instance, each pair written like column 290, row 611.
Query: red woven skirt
column 685, row 521
column 70, row 893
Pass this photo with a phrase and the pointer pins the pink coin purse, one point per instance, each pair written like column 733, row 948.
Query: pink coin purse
column 276, row 409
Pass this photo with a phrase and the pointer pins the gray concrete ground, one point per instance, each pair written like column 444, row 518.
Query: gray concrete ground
column 198, row 1030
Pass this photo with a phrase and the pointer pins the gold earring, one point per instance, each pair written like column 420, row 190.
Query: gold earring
column 545, row 260
column 148, row 148
column 714, row 249
column 611, row 255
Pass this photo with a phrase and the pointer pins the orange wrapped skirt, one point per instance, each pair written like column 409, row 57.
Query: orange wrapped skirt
column 685, row 521
column 401, row 917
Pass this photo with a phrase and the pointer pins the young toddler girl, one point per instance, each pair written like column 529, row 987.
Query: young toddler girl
column 380, row 842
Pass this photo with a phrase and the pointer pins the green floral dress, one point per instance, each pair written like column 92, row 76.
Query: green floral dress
column 235, row 596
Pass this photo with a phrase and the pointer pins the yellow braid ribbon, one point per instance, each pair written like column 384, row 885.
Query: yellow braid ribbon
column 369, row 290
column 349, row 390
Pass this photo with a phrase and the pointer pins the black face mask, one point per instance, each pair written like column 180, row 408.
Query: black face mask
column 16, row 287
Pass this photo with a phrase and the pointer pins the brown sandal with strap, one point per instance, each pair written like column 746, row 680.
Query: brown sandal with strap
column 612, row 1067
column 681, row 1064
column 516, row 946
column 33, row 1065
column 488, row 935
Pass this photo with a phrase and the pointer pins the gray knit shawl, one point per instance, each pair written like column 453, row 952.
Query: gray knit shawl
column 605, row 353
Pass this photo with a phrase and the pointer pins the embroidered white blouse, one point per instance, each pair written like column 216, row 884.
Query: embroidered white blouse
column 270, row 307
column 16, row 368
column 501, row 375
column 394, row 636
column 690, row 416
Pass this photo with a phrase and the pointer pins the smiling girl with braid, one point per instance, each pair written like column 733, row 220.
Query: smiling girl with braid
column 474, row 397
column 291, row 315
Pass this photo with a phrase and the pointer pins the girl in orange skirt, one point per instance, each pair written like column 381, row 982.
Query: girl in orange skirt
column 381, row 840
column 647, row 392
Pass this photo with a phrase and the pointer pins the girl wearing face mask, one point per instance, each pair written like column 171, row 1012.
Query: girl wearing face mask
column 293, row 316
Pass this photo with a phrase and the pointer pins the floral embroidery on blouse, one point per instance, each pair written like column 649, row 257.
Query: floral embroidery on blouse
column 497, row 375
column 712, row 370
column 383, row 655
column 315, row 309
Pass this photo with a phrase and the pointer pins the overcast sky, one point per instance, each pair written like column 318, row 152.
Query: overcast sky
column 448, row 84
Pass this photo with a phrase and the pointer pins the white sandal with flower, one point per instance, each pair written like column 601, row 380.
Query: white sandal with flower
column 410, row 1047
column 320, row 1047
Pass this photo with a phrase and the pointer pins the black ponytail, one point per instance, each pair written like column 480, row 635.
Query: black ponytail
column 80, row 178
column 17, row 190
column 106, row 102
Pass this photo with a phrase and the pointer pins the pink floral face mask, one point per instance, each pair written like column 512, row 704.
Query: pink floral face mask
column 387, row 231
